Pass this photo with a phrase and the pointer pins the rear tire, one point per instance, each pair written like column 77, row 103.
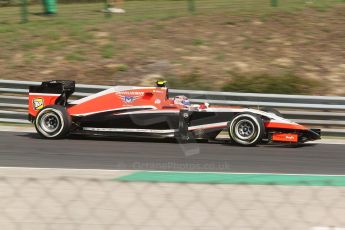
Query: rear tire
column 53, row 122
column 246, row 129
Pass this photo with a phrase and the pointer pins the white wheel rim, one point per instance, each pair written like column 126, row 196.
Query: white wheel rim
column 245, row 129
column 49, row 122
column 44, row 129
column 234, row 133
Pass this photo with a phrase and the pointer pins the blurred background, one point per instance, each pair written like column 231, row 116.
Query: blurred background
column 264, row 46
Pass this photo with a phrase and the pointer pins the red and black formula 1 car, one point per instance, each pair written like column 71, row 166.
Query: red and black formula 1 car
column 148, row 111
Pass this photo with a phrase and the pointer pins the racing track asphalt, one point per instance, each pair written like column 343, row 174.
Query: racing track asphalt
column 29, row 150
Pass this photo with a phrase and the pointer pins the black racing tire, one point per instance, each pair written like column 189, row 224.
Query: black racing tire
column 53, row 122
column 271, row 110
column 246, row 129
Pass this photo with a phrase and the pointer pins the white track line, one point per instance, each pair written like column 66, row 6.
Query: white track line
column 46, row 173
column 249, row 173
column 66, row 169
column 158, row 171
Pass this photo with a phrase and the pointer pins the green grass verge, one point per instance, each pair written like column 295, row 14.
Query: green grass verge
column 263, row 83
column 74, row 37
column 285, row 84
column 154, row 9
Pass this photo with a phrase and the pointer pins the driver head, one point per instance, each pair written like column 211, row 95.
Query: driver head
column 182, row 100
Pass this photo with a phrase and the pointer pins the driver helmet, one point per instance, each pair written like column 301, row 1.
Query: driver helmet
column 181, row 100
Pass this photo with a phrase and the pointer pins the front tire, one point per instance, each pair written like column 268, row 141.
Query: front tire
column 53, row 122
column 246, row 129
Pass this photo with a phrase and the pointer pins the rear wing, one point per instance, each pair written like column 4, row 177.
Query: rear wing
column 54, row 92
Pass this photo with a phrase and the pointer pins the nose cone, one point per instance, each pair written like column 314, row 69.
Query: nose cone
column 274, row 124
column 311, row 135
column 314, row 134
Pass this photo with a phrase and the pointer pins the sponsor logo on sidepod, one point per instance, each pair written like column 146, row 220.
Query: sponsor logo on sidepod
column 129, row 99
column 38, row 103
